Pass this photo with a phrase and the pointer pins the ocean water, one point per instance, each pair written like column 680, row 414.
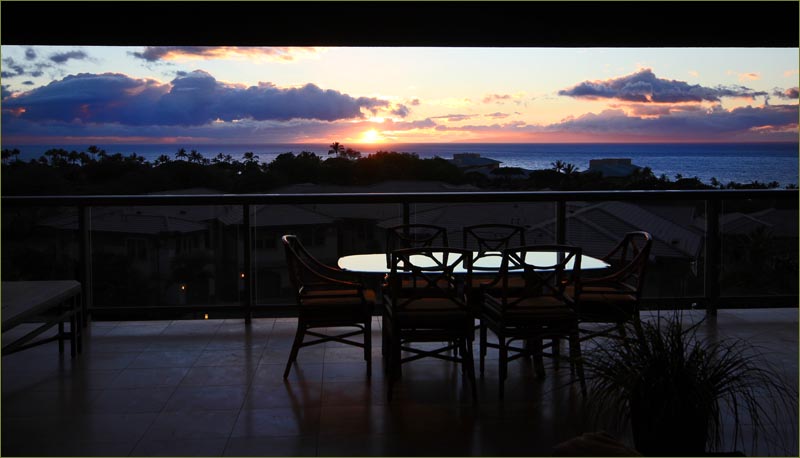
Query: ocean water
column 743, row 163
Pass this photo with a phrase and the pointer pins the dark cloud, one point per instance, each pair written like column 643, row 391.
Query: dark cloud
column 12, row 68
column 28, row 83
column 159, row 53
column 30, row 54
column 414, row 102
column 644, row 86
column 717, row 123
column 791, row 93
column 776, row 122
column 63, row 57
column 401, row 110
column 4, row 91
column 498, row 115
column 191, row 100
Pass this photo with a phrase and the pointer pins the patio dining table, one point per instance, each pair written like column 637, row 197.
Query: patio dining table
column 484, row 262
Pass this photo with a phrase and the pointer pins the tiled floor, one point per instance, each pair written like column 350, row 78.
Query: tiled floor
column 215, row 387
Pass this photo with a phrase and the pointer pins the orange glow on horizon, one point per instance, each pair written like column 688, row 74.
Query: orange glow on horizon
column 371, row 136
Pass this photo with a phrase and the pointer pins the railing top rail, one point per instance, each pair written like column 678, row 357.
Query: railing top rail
column 404, row 197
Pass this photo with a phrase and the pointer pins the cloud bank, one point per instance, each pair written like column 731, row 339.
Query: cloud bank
column 164, row 53
column 193, row 99
column 644, row 87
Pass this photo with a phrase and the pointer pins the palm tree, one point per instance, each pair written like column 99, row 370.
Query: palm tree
column 194, row 156
column 336, row 148
column 558, row 165
column 181, row 154
column 9, row 153
column 162, row 159
column 73, row 157
column 250, row 157
column 569, row 168
column 350, row 153
column 95, row 151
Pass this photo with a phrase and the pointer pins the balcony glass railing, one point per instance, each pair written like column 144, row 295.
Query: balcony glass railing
column 188, row 256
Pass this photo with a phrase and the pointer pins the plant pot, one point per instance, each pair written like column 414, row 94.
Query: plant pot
column 664, row 426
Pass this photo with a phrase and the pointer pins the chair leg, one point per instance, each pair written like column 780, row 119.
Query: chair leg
column 482, row 348
column 384, row 335
column 298, row 340
column 394, row 362
column 368, row 344
column 503, row 364
column 468, row 363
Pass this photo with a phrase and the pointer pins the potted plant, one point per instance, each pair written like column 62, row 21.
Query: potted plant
column 678, row 392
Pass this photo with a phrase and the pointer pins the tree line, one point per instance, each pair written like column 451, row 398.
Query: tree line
column 95, row 171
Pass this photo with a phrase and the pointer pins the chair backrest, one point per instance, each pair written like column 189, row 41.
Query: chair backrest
column 629, row 260
column 305, row 271
column 414, row 236
column 493, row 237
column 489, row 240
column 547, row 270
column 418, row 274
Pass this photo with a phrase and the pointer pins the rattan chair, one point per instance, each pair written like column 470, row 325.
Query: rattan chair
column 427, row 303
column 327, row 297
column 533, row 311
column 414, row 236
column 614, row 297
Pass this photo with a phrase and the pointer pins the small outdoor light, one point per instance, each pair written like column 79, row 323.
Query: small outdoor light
column 205, row 316
column 241, row 275
column 183, row 287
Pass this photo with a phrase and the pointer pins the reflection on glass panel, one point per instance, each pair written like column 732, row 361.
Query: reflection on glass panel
column 165, row 255
column 759, row 248
column 328, row 231
column 40, row 243
column 537, row 219
column 675, row 268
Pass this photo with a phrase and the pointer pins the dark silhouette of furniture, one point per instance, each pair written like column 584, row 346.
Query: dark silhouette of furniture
column 49, row 303
column 535, row 310
column 614, row 298
column 414, row 236
column 327, row 297
column 492, row 237
column 489, row 240
column 427, row 303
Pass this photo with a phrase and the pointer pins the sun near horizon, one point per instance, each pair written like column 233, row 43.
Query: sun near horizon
column 371, row 136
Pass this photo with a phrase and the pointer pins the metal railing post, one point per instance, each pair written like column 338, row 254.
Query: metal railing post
column 561, row 222
column 406, row 217
column 713, row 255
column 85, row 254
column 248, row 265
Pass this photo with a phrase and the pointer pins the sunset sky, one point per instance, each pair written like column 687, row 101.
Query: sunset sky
column 105, row 94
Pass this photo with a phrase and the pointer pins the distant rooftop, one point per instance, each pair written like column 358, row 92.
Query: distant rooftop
column 467, row 160
column 612, row 167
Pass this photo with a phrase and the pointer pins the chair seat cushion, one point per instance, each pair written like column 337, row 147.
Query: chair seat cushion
column 514, row 281
column 334, row 297
column 542, row 308
column 605, row 303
